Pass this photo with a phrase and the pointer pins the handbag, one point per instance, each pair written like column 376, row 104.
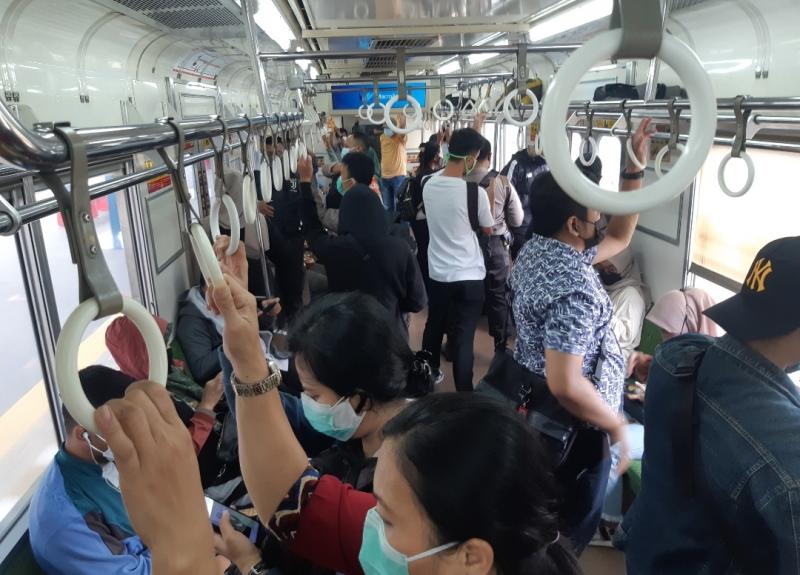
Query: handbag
column 529, row 395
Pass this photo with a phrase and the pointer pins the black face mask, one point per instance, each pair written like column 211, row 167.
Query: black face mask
column 594, row 240
column 609, row 278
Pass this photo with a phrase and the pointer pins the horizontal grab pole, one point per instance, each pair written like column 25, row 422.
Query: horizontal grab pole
column 412, row 52
column 43, row 208
column 39, row 149
column 370, row 80
column 757, row 144
column 792, row 103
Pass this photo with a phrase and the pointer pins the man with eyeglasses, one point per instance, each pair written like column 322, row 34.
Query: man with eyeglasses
column 564, row 325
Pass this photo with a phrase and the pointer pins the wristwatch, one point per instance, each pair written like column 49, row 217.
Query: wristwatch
column 259, row 568
column 266, row 385
column 626, row 175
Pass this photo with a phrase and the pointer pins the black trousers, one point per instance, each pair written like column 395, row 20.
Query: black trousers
column 454, row 308
column 498, row 266
column 286, row 254
column 423, row 238
column 582, row 479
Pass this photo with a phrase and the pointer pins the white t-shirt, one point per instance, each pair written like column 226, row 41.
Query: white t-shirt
column 454, row 253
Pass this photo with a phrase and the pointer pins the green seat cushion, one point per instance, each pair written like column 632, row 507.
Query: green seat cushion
column 651, row 338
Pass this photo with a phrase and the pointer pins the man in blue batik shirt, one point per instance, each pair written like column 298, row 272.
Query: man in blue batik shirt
column 563, row 317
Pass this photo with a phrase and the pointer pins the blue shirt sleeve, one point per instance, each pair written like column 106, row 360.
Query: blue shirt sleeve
column 569, row 324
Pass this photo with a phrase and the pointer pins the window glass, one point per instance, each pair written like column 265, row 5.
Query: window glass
column 26, row 425
column 610, row 154
column 64, row 273
column 729, row 231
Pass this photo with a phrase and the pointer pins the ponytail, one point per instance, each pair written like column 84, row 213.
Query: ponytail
column 554, row 559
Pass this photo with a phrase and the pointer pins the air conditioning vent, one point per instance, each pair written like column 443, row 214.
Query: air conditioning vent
column 385, row 63
column 183, row 14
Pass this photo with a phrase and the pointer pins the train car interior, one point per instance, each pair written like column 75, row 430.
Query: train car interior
column 126, row 125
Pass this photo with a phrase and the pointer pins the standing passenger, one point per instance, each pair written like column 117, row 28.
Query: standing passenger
column 455, row 260
column 393, row 163
column 507, row 213
column 721, row 469
column 564, row 320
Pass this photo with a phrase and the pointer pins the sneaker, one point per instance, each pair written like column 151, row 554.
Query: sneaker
column 438, row 377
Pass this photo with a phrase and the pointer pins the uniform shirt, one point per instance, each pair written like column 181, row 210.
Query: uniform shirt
column 508, row 211
column 560, row 305
column 79, row 526
column 454, row 253
column 393, row 156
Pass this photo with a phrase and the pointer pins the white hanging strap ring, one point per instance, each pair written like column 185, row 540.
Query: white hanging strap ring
column 534, row 112
column 701, row 136
column 662, row 153
column 371, row 110
column 413, row 125
column 204, row 253
column 362, row 112
column 751, row 174
column 249, row 199
column 632, row 153
column 450, row 110
column 69, row 385
column 592, row 151
column 233, row 219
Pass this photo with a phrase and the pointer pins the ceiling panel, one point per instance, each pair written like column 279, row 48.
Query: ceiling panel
column 382, row 13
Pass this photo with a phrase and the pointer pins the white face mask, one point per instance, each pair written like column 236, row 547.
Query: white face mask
column 109, row 469
column 339, row 420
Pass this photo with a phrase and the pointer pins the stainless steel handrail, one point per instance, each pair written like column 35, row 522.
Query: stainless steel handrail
column 790, row 103
column 41, row 149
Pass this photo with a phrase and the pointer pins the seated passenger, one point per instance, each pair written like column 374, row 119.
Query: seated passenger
column 364, row 257
column 675, row 313
column 78, row 521
column 721, row 469
column 461, row 484
column 350, row 391
column 199, row 331
column 623, row 281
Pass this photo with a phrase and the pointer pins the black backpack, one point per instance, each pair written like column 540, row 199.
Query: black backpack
column 405, row 202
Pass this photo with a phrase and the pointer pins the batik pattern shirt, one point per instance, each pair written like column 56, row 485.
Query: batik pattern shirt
column 560, row 304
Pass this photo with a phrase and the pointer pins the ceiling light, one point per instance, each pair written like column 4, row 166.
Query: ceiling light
column 313, row 73
column 449, row 68
column 478, row 58
column 304, row 64
column 561, row 22
column 271, row 21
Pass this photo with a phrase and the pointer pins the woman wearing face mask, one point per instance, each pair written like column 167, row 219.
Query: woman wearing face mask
column 430, row 161
column 622, row 280
column 461, row 484
column 365, row 256
column 357, row 373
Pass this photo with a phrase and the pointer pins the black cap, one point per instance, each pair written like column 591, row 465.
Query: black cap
column 767, row 306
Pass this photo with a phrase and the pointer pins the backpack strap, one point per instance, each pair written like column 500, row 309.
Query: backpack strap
column 422, row 183
column 472, row 205
column 682, row 416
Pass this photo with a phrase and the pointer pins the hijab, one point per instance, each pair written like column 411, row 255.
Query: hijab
column 628, row 268
column 127, row 346
column 681, row 311
column 363, row 217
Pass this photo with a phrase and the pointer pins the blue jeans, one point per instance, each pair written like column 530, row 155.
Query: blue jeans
column 390, row 188
column 612, row 509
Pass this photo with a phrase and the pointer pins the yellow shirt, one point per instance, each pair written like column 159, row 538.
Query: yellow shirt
column 393, row 156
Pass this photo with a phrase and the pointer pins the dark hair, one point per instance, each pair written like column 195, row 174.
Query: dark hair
column 361, row 140
column 101, row 384
column 593, row 171
column 428, row 155
column 480, row 472
column 268, row 140
column 466, row 142
column 360, row 167
column 486, row 150
column 551, row 206
column 353, row 346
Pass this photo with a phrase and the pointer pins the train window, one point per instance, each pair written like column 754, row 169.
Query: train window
column 610, row 154
column 26, row 425
column 730, row 231
column 64, row 273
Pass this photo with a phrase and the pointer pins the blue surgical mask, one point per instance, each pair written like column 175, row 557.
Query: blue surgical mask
column 387, row 132
column 339, row 420
column 345, row 151
column 378, row 557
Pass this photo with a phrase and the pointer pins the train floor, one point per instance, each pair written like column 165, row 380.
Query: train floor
column 599, row 560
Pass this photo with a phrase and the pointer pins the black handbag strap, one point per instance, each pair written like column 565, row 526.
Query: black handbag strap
column 472, row 205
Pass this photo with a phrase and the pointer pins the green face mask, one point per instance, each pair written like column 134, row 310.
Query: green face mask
column 378, row 557
column 469, row 170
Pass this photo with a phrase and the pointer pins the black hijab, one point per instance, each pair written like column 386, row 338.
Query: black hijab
column 362, row 216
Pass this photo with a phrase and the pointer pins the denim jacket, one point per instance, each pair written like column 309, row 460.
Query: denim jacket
column 744, row 514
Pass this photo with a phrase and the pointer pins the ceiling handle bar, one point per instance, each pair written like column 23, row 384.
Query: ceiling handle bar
column 98, row 292
column 641, row 22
